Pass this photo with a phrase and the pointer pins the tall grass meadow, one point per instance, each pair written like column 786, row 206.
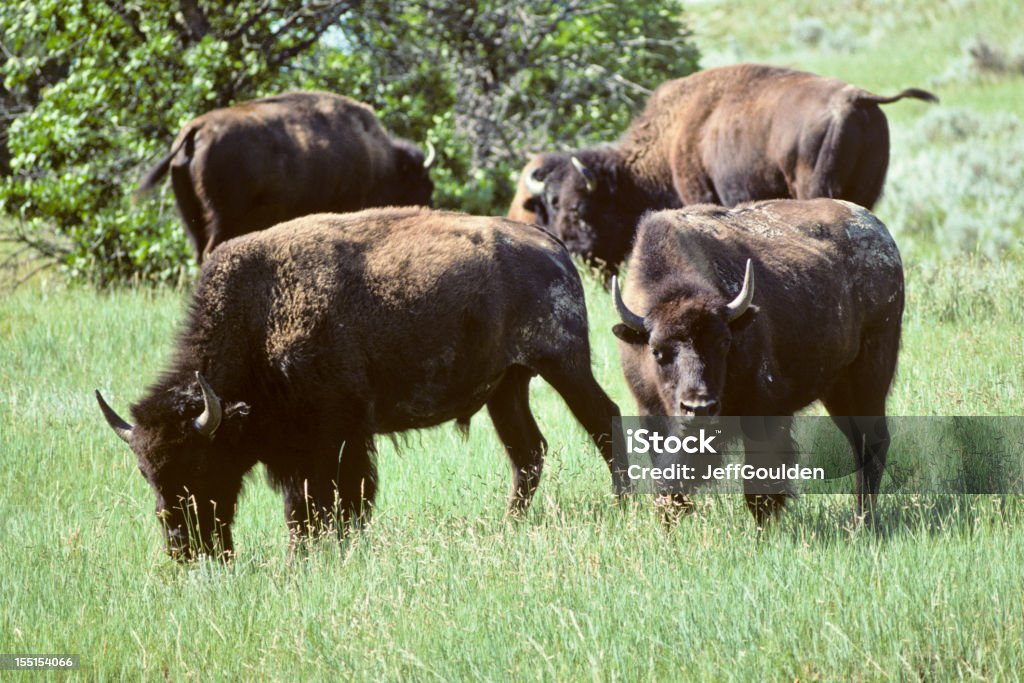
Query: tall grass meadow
column 442, row 586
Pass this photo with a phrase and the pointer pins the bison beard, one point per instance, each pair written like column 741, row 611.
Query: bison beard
column 818, row 317
column 246, row 167
column 307, row 339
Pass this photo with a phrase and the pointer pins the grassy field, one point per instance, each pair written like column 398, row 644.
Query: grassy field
column 444, row 587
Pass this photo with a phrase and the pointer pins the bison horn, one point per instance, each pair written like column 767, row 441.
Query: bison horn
column 431, row 156
column 629, row 318
column 533, row 184
column 588, row 175
column 739, row 305
column 207, row 423
column 120, row 427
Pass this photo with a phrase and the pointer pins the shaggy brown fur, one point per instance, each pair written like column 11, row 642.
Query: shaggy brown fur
column 244, row 168
column 737, row 133
column 824, row 323
column 321, row 332
column 724, row 136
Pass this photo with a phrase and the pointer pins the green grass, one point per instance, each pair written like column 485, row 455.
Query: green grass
column 442, row 586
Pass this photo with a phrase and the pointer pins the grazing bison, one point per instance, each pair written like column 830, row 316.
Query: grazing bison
column 823, row 321
column 305, row 340
column 244, row 168
column 725, row 136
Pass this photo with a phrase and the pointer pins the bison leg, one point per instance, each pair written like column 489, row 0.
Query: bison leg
column 869, row 439
column 768, row 443
column 857, row 406
column 693, row 185
column 356, row 482
column 592, row 409
column 308, row 507
column 509, row 409
column 852, row 160
column 765, row 506
column 191, row 209
column 336, row 491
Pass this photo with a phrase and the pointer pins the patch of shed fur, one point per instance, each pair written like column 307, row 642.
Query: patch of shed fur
column 870, row 241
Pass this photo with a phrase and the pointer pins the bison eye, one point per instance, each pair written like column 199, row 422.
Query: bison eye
column 662, row 356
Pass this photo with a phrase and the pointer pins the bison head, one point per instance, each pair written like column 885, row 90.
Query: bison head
column 542, row 178
column 183, row 454
column 595, row 211
column 412, row 185
column 685, row 341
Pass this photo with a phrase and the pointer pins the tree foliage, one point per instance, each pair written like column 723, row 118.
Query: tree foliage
column 95, row 91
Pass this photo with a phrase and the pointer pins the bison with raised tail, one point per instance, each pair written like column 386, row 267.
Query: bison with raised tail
column 722, row 136
column 759, row 311
column 244, row 168
column 305, row 340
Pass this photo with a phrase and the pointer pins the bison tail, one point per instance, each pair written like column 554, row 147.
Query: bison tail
column 915, row 93
column 462, row 425
column 155, row 174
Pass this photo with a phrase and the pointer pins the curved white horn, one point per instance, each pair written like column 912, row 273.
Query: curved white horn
column 207, row 423
column 739, row 305
column 588, row 175
column 629, row 318
column 120, row 427
column 533, row 184
column 431, row 156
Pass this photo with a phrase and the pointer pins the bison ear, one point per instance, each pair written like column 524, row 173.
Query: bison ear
column 233, row 423
column 237, row 411
column 589, row 177
column 743, row 322
column 629, row 335
column 409, row 162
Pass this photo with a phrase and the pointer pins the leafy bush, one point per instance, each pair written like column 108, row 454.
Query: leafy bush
column 812, row 32
column 486, row 82
column 958, row 192
column 982, row 59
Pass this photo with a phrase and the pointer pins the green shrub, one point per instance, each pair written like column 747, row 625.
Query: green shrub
column 956, row 190
column 101, row 90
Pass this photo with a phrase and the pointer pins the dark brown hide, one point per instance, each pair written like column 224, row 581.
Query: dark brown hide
column 321, row 332
column 824, row 323
column 724, row 136
column 244, row 168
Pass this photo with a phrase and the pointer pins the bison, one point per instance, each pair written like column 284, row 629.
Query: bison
column 724, row 136
column 823, row 322
column 244, row 168
column 305, row 340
